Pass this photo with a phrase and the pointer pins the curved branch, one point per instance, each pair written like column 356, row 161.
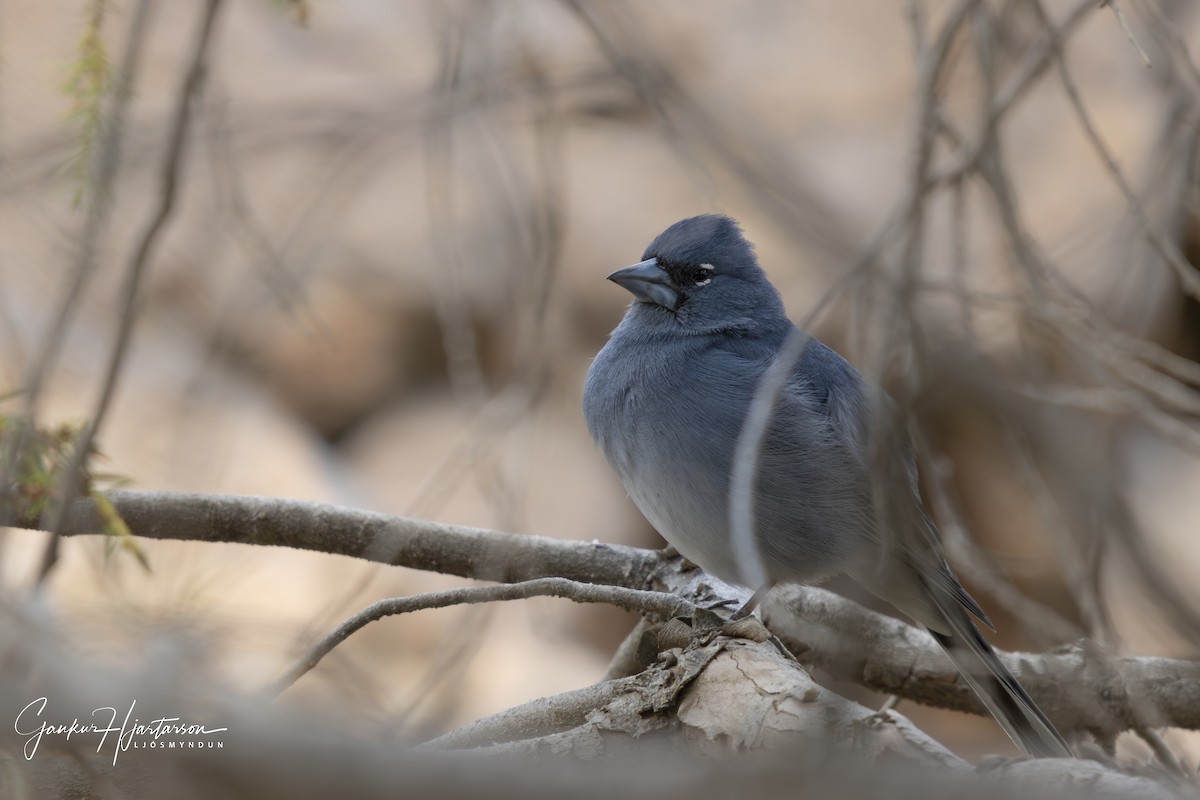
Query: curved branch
column 658, row 603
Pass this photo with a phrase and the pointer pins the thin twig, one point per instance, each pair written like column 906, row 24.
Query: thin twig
column 744, row 474
column 101, row 199
column 1120, row 15
column 1024, row 76
column 459, row 340
column 101, row 194
column 966, row 554
column 1189, row 277
column 658, row 603
column 1162, row 751
column 168, row 183
column 1080, row 580
column 800, row 211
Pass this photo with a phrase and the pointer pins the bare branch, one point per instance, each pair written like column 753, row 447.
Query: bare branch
column 657, row 603
column 1167, row 250
column 540, row 717
column 729, row 693
column 723, row 697
column 102, row 177
column 399, row 541
column 1079, row 688
column 1162, row 751
column 169, row 181
column 1120, row 15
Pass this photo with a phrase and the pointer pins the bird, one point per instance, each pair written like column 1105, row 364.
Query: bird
column 667, row 397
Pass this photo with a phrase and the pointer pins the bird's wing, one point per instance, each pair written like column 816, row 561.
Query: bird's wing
column 908, row 540
column 1000, row 691
column 909, row 570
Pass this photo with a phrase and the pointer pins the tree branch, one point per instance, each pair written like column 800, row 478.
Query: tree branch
column 658, row 603
column 729, row 694
column 70, row 482
column 398, row 541
column 1079, row 689
column 720, row 696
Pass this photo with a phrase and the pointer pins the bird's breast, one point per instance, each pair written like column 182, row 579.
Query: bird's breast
column 669, row 438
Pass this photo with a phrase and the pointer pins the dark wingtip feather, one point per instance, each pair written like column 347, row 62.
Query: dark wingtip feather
column 968, row 602
column 1004, row 696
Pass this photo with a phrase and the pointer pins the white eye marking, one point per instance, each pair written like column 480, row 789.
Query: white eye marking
column 703, row 269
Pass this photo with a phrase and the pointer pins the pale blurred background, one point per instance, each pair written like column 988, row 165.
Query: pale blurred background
column 385, row 279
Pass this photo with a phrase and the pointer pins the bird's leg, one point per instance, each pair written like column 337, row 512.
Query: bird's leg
column 748, row 607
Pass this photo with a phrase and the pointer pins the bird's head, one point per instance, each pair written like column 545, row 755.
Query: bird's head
column 702, row 274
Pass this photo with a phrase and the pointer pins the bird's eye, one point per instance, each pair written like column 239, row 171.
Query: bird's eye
column 702, row 275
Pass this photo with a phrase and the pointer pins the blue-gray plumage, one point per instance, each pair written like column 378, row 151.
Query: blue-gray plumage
column 666, row 400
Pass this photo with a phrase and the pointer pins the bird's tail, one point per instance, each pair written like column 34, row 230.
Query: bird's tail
column 996, row 686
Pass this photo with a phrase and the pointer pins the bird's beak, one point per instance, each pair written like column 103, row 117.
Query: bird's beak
column 649, row 283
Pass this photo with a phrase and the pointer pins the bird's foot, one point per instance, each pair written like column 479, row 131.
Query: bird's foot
column 746, row 628
column 716, row 604
column 703, row 628
column 685, row 565
column 748, row 607
column 706, row 624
